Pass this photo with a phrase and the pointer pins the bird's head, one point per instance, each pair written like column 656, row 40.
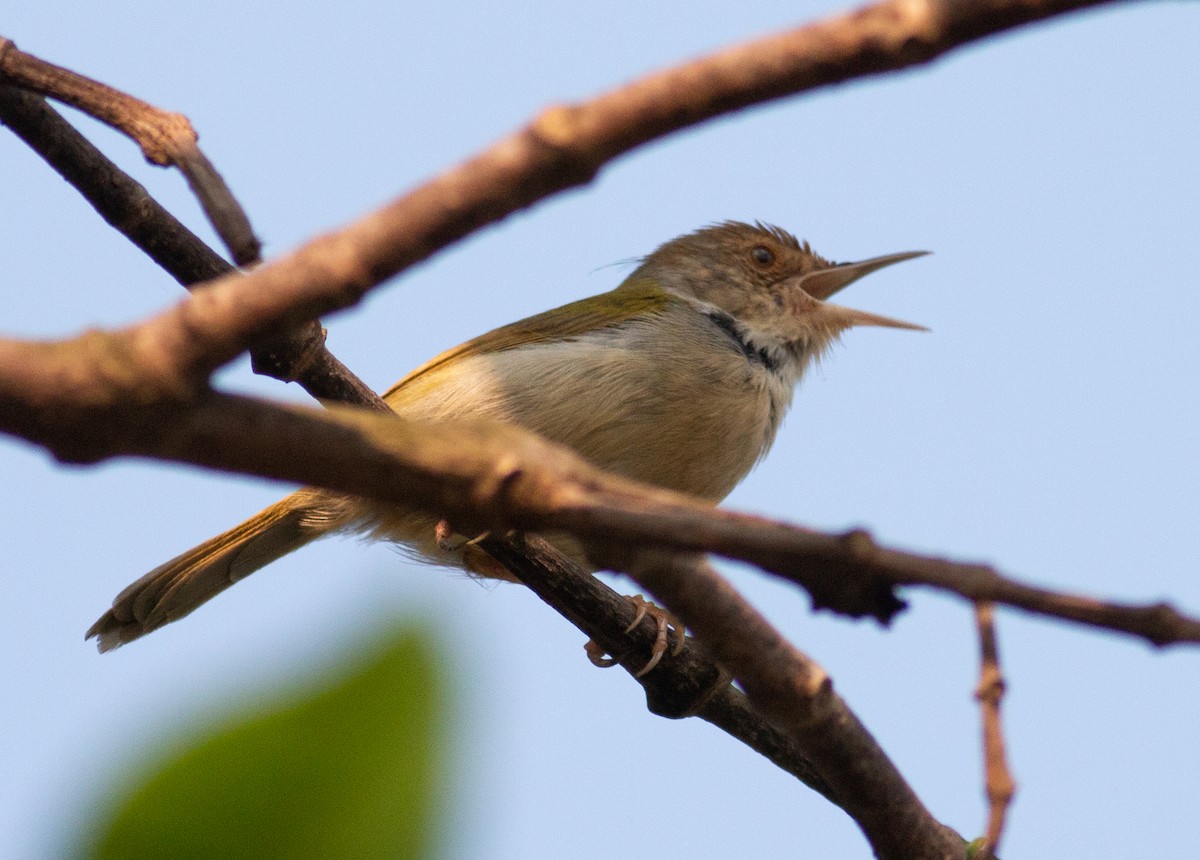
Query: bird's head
column 770, row 283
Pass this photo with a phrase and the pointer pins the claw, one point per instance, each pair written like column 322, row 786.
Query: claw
column 667, row 625
column 599, row 657
column 643, row 609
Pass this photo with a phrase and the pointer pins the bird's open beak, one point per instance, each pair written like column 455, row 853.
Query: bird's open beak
column 824, row 283
column 849, row 318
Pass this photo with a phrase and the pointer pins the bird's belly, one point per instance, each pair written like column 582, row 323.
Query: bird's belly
column 705, row 453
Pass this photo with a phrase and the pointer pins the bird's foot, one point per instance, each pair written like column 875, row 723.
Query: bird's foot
column 670, row 634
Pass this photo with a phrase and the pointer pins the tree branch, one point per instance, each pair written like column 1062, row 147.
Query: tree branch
column 299, row 356
column 165, row 138
column 999, row 783
column 797, row 696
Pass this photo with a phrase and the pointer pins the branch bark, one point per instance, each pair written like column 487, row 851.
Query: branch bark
column 688, row 684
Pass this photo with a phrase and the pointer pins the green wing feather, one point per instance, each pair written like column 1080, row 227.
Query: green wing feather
column 631, row 299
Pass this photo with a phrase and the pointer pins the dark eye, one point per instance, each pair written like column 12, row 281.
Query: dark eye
column 762, row 256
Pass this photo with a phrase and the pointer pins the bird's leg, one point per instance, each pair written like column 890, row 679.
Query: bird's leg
column 474, row 558
column 451, row 542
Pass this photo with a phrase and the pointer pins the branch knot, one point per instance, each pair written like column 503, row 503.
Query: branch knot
column 557, row 127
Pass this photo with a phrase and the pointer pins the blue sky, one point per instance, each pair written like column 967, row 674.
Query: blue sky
column 1045, row 425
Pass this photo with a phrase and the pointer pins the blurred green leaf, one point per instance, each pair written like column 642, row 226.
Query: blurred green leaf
column 350, row 771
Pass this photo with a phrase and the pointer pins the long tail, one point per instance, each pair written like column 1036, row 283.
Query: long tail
column 175, row 588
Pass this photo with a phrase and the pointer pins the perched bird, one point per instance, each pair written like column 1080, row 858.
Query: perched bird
column 679, row 377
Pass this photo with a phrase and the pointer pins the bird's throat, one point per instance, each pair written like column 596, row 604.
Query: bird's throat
column 737, row 333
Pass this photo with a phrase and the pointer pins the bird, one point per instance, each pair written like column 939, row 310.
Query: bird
column 679, row 378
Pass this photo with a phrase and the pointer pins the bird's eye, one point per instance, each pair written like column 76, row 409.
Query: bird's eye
column 762, row 256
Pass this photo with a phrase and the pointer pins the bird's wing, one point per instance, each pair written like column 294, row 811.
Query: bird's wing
column 631, row 299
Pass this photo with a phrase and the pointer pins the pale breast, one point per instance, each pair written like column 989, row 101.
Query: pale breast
column 675, row 404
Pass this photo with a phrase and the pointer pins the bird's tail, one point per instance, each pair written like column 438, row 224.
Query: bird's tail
column 175, row 588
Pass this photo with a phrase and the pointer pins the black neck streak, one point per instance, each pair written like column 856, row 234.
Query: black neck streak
column 756, row 355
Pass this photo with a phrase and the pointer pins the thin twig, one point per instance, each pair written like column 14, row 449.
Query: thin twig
column 165, row 138
column 121, row 201
column 999, row 783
